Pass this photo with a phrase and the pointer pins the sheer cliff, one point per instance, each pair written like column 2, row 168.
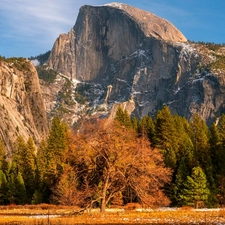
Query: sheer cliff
column 22, row 108
column 142, row 58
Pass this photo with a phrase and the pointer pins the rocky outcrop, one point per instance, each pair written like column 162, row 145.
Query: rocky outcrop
column 62, row 56
column 22, row 108
column 140, row 57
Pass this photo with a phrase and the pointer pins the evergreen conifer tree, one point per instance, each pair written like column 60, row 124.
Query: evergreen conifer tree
column 195, row 192
column 2, row 154
column 123, row 117
column 134, row 123
column 50, row 158
column 216, row 151
column 147, row 127
column 29, row 174
column 56, row 141
column 165, row 137
column 24, row 157
column 20, row 190
column 219, row 147
column 3, row 188
column 180, row 179
column 200, row 139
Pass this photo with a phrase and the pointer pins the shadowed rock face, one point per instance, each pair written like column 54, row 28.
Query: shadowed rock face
column 22, row 109
column 143, row 57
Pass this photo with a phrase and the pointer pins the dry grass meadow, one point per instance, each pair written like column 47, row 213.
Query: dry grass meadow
column 57, row 215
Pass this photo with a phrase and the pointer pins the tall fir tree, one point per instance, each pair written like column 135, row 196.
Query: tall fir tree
column 24, row 157
column 220, row 147
column 3, row 188
column 180, row 179
column 29, row 175
column 135, row 123
column 20, row 190
column 216, row 151
column 165, row 137
column 16, row 189
column 56, row 140
column 2, row 154
column 200, row 138
column 41, row 193
column 218, row 157
column 185, row 145
column 123, row 117
column 51, row 157
column 147, row 127
column 195, row 192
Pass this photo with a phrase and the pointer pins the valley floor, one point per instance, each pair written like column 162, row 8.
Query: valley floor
column 70, row 216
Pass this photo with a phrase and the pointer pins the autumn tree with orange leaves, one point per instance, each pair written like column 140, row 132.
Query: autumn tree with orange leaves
column 114, row 158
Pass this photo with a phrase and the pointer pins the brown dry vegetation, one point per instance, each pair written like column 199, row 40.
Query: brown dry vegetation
column 63, row 215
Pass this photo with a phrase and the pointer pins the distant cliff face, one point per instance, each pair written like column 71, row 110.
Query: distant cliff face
column 22, row 109
column 141, row 57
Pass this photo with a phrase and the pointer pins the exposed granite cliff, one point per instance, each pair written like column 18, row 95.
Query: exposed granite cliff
column 141, row 57
column 105, row 34
column 22, row 109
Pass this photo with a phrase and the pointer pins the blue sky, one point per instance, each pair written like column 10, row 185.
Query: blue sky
column 30, row 27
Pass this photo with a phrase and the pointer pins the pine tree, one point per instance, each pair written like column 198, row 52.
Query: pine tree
column 221, row 128
column 3, row 188
column 123, row 117
column 216, row 152
column 43, row 183
column 20, row 190
column 200, row 138
column 10, row 196
column 196, row 192
column 2, row 154
column 217, row 145
column 180, row 178
column 165, row 137
column 147, row 127
column 134, row 123
column 219, row 149
column 29, row 175
column 185, row 145
column 56, row 141
column 41, row 162
column 19, row 152
column 51, row 157
column 16, row 189
column 24, row 156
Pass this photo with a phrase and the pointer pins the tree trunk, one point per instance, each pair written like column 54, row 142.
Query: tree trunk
column 104, row 191
column 102, row 210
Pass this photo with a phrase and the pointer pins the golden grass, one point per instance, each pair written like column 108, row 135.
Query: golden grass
column 63, row 215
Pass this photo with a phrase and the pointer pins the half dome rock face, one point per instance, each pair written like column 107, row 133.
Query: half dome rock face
column 150, row 24
column 103, row 35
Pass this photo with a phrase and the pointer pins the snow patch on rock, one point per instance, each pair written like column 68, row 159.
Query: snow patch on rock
column 35, row 62
column 115, row 5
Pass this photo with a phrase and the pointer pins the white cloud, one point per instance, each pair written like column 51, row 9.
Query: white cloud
column 28, row 18
column 37, row 23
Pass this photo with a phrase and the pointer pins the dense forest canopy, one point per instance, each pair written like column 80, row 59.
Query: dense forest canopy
column 160, row 161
